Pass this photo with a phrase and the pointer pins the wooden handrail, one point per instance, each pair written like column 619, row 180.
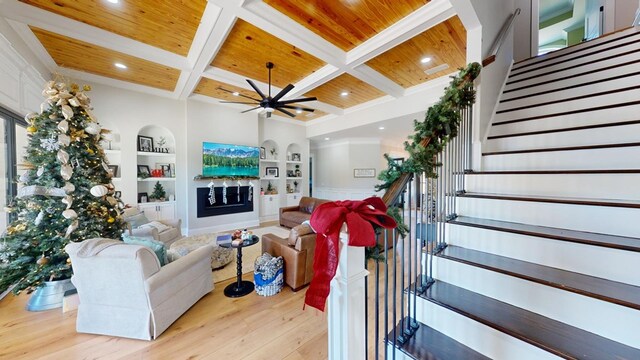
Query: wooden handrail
column 500, row 39
column 393, row 192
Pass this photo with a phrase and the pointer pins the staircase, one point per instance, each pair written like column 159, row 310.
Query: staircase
column 543, row 259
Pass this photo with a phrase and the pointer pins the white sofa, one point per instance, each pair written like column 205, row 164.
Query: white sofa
column 168, row 236
column 124, row 292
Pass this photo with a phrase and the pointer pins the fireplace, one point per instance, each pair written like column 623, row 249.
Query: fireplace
column 233, row 205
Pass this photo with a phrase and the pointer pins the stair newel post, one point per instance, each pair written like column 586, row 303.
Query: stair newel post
column 346, row 306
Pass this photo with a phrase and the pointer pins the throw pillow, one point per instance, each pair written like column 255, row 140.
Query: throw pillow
column 156, row 224
column 297, row 231
column 156, row 246
column 137, row 220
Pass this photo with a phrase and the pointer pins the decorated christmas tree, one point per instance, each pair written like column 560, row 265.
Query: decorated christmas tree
column 65, row 195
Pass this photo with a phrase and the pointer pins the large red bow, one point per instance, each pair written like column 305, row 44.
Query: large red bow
column 326, row 220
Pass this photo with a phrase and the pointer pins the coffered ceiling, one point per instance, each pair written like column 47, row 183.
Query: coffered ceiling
column 346, row 53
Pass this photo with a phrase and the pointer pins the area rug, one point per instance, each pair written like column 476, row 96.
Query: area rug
column 249, row 254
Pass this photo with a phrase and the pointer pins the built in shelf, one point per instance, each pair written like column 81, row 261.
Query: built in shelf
column 294, row 162
column 155, row 154
column 269, row 194
column 269, row 178
column 295, row 193
column 157, row 202
column 294, row 178
column 272, row 161
column 150, row 179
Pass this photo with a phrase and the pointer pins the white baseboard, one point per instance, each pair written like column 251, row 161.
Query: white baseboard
column 6, row 292
column 221, row 228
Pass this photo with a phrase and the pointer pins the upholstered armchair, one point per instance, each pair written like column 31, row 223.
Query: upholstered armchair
column 297, row 252
column 140, row 226
column 124, row 292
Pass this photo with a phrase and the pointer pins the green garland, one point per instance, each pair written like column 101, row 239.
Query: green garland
column 440, row 125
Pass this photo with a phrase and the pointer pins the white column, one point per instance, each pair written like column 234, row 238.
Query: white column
column 346, row 305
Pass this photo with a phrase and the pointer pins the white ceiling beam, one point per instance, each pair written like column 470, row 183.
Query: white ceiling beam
column 31, row 15
column 34, row 45
column 377, row 80
column 207, row 23
column 319, row 77
column 417, row 22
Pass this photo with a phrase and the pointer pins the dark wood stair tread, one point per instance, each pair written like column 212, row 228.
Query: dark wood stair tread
column 429, row 344
column 566, row 148
column 604, row 240
column 556, row 200
column 567, row 129
column 553, row 336
column 602, row 289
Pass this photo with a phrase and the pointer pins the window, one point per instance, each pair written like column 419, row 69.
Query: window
column 13, row 140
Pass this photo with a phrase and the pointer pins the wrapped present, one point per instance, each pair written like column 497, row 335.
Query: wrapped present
column 268, row 274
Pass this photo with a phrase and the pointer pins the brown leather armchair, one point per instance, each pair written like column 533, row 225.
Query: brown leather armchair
column 295, row 215
column 297, row 252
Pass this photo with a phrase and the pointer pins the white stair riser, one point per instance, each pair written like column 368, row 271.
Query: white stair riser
column 578, row 59
column 536, row 85
column 571, row 93
column 617, row 37
column 599, row 317
column 570, row 106
column 598, row 219
column 623, row 113
column 595, row 186
column 586, row 69
column 609, row 158
column 399, row 355
column 570, row 256
column 483, row 339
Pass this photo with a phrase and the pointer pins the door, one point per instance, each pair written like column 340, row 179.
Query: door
column 166, row 211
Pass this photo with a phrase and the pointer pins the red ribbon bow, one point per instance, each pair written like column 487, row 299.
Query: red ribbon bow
column 326, row 220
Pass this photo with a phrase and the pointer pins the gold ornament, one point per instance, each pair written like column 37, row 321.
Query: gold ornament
column 77, row 135
column 86, row 88
column 31, row 129
column 111, row 220
column 68, row 260
column 42, row 261
column 74, row 87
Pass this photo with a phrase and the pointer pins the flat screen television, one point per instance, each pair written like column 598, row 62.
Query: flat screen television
column 229, row 160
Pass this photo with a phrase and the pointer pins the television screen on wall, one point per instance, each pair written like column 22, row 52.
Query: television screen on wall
column 229, row 160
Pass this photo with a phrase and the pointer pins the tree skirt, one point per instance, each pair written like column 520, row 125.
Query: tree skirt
column 249, row 255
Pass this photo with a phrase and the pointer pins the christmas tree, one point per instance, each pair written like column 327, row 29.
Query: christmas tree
column 158, row 192
column 66, row 194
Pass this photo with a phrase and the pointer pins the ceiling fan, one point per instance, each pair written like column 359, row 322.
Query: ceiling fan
column 271, row 104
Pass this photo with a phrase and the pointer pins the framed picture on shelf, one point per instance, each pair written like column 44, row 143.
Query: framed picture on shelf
column 165, row 168
column 272, row 172
column 143, row 197
column 172, row 169
column 295, row 157
column 144, row 171
column 364, row 173
column 263, row 153
column 113, row 169
column 117, row 194
column 291, row 173
column 145, row 143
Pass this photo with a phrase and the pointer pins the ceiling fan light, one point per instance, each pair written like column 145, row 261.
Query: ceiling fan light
column 298, row 111
column 344, row 93
column 235, row 93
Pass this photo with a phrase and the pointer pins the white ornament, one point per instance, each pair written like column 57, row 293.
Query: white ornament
column 39, row 218
column 67, row 112
column 64, row 140
column 69, row 214
column 30, row 116
column 50, row 144
column 93, row 129
column 63, row 126
column 63, row 156
column 69, row 188
column 67, row 200
column 74, row 102
column 25, row 177
column 99, row 191
column 71, row 228
column 40, row 171
column 66, row 171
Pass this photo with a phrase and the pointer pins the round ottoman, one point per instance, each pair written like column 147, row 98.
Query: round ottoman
column 220, row 257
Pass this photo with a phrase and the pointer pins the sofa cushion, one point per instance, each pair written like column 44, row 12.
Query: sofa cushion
column 296, row 216
column 137, row 220
column 298, row 231
column 168, row 235
column 156, row 246
column 307, row 204
column 158, row 225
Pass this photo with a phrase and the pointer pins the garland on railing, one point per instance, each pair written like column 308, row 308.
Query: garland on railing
column 440, row 125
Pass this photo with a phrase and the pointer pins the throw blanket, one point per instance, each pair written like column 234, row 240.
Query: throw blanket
column 327, row 220
column 92, row 247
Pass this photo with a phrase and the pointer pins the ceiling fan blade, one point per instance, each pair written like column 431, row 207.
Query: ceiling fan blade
column 286, row 112
column 285, row 102
column 257, row 107
column 296, row 108
column 256, row 89
column 233, row 92
column 238, row 102
column 283, row 92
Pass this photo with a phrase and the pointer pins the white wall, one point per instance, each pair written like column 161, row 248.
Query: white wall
column 525, row 38
column 215, row 123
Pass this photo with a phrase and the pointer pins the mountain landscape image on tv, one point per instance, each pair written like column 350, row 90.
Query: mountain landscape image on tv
column 219, row 160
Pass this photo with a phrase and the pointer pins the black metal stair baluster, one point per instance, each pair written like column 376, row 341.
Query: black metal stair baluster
column 377, row 306
column 386, row 298
column 366, row 309
column 395, row 288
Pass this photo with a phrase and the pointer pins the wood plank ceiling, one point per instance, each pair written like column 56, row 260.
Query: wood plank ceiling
column 179, row 37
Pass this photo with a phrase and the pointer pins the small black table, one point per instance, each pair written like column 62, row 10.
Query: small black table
column 240, row 288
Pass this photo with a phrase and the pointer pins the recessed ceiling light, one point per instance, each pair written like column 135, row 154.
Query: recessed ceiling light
column 344, row 93
column 298, row 111
column 120, row 66
column 113, row 1
column 425, row 60
column 236, row 94
column 381, row 128
column 326, row 138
